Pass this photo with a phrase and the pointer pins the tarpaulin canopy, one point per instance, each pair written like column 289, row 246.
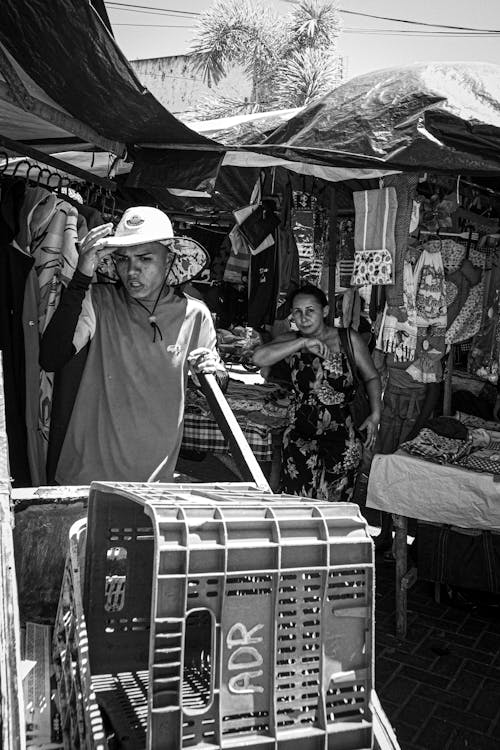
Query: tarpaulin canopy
column 439, row 116
column 61, row 54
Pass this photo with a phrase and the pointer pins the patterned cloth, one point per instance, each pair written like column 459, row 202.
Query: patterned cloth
column 202, row 434
column 434, row 447
column 468, row 321
column 430, row 296
column 453, row 254
column 320, row 449
column 486, row 461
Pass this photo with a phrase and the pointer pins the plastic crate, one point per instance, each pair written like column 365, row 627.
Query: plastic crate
column 245, row 619
column 81, row 720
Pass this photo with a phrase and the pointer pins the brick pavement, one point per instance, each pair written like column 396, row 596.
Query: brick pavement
column 440, row 687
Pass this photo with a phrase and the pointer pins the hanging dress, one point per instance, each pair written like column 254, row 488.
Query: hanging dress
column 321, row 451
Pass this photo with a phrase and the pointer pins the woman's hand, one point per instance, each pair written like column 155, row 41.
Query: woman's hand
column 93, row 248
column 370, row 424
column 315, row 346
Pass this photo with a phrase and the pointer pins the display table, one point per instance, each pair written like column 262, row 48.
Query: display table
column 407, row 486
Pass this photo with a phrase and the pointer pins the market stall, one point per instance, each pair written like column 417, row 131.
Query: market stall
column 450, row 485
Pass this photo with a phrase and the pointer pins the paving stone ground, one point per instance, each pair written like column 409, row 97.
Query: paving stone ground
column 440, row 687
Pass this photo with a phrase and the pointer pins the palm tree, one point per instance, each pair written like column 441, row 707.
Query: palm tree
column 306, row 76
column 290, row 60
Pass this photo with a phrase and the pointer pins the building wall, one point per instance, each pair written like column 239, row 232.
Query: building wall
column 173, row 82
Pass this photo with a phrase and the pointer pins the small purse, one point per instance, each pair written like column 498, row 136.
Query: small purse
column 372, row 267
column 359, row 407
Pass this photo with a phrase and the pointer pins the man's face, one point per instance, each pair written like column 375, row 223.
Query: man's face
column 142, row 269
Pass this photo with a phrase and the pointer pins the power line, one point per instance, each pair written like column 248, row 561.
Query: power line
column 161, row 11
column 418, row 23
column 358, row 31
column 443, row 30
column 154, row 25
column 416, row 32
column 409, row 21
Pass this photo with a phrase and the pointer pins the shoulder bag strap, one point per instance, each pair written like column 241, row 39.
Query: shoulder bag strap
column 346, row 342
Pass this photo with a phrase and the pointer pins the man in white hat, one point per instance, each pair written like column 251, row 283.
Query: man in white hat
column 141, row 336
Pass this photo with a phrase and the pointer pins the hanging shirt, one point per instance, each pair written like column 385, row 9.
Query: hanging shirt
column 129, row 410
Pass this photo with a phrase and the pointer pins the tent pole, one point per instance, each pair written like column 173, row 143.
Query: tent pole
column 448, row 384
column 332, row 254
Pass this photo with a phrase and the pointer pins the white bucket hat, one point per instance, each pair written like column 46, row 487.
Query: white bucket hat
column 140, row 225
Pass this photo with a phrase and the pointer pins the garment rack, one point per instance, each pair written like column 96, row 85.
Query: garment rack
column 22, row 149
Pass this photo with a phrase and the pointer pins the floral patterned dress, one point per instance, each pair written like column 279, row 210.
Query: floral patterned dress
column 321, row 451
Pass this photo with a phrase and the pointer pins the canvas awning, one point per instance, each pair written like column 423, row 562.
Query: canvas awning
column 427, row 116
column 65, row 85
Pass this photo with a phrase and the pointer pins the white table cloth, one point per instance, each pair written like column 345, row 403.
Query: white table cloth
column 416, row 488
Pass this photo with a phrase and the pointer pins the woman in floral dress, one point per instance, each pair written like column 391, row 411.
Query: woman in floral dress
column 321, row 447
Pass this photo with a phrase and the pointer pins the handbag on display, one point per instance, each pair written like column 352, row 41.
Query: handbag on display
column 372, row 267
column 374, row 236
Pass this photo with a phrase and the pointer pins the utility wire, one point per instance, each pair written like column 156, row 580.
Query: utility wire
column 168, row 11
column 358, row 31
column 154, row 25
column 442, row 29
column 417, row 23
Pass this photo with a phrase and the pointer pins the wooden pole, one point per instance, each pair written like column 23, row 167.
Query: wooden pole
column 448, row 384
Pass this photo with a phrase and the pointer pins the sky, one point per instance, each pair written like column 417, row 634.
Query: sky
column 143, row 34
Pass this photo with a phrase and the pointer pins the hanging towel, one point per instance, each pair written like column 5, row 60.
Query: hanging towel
column 398, row 332
column 374, row 236
column 431, row 289
column 405, row 186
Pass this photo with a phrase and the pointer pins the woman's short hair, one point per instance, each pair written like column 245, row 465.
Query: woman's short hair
column 312, row 291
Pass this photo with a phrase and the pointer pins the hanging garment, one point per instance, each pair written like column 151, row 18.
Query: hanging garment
column 484, row 355
column 288, row 257
column 430, row 350
column 453, row 254
column 468, row 321
column 263, row 288
column 351, row 309
column 398, row 332
column 48, row 233
column 405, row 186
column 14, row 270
column 430, row 297
column 374, row 236
column 401, row 407
column 238, row 263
